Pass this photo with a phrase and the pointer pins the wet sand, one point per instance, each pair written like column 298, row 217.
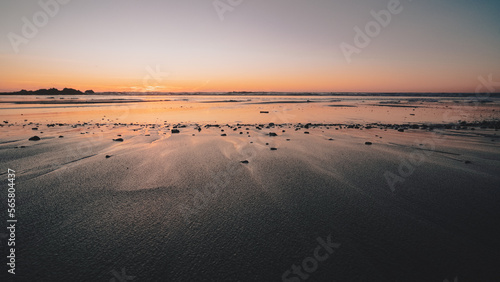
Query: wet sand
column 403, row 201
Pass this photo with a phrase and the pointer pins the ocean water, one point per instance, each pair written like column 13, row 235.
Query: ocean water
column 182, row 207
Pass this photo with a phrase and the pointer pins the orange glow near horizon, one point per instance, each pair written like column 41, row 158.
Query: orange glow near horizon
column 146, row 46
column 347, row 80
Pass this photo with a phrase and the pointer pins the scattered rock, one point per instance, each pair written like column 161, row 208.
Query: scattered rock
column 306, row 132
column 224, row 134
column 272, row 134
column 60, row 136
column 368, row 143
column 274, row 149
column 34, row 138
column 34, row 128
column 108, row 156
column 331, row 139
column 175, row 131
column 467, row 162
column 401, row 130
column 244, row 162
column 264, row 112
column 118, row 139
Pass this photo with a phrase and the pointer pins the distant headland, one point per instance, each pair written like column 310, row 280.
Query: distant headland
column 51, row 91
column 71, row 91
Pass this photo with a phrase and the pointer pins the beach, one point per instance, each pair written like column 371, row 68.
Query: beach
column 253, row 188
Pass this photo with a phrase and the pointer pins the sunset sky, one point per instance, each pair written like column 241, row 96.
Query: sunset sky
column 255, row 45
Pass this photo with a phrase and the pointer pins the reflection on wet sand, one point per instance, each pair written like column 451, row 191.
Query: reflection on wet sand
column 230, row 189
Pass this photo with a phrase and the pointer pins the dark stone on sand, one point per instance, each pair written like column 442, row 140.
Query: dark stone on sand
column 34, row 128
column 264, row 112
column 271, row 124
column 306, row 132
column 267, row 144
column 368, row 143
column 287, row 139
column 118, row 139
column 274, row 149
column 244, row 162
column 34, row 138
column 175, row 131
column 224, row 134
column 108, row 156
column 401, row 130
column 331, row 139
column 60, row 136
column 467, row 162
column 272, row 134
column 241, row 132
